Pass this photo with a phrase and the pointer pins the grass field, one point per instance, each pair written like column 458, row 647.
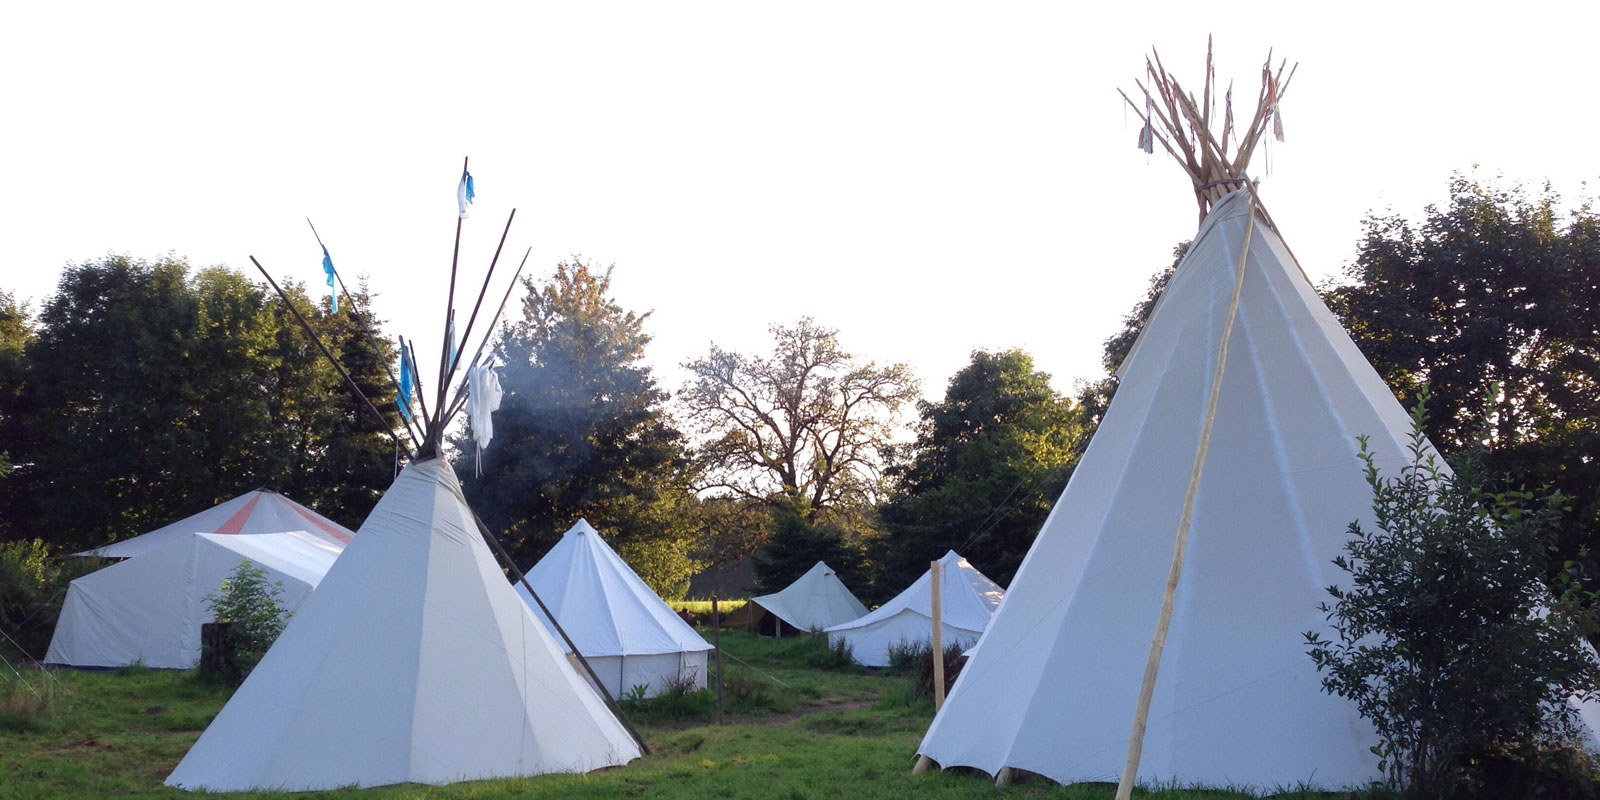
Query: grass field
column 795, row 731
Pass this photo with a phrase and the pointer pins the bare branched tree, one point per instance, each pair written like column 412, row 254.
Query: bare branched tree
column 807, row 424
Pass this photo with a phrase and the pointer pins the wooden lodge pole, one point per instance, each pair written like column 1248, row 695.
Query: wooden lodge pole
column 716, row 641
column 938, row 642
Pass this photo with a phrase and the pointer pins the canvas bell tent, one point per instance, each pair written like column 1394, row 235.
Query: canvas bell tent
column 630, row 635
column 1226, row 464
column 968, row 602
column 148, row 609
column 260, row 511
column 415, row 660
column 815, row 601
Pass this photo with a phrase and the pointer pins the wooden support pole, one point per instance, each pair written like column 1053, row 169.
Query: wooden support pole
column 1005, row 777
column 923, row 765
column 716, row 642
column 938, row 641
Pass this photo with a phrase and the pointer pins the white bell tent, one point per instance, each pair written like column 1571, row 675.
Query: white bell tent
column 968, row 602
column 815, row 601
column 414, row 661
column 630, row 636
column 1264, row 444
column 260, row 511
column 148, row 609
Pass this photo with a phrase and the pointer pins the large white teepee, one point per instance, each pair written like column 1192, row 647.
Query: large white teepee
column 816, row 600
column 148, row 609
column 260, row 511
column 968, row 602
column 1054, row 684
column 627, row 633
column 414, row 661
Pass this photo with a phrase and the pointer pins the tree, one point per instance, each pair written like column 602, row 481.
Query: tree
column 988, row 463
column 149, row 394
column 16, row 330
column 807, row 426
column 1490, row 302
column 582, row 431
column 1446, row 639
column 254, row 611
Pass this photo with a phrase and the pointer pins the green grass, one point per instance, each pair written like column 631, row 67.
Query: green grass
column 704, row 606
column 823, row 734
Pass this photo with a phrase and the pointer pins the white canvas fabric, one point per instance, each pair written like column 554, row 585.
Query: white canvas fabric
column 816, row 600
column 148, row 610
column 260, row 511
column 968, row 602
column 414, row 661
column 629, row 635
column 1053, row 685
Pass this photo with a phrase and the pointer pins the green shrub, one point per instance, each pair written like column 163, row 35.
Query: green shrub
column 1447, row 638
column 33, row 585
column 249, row 604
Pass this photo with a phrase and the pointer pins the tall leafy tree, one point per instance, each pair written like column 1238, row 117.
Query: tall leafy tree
column 988, row 463
column 150, row 393
column 1490, row 302
column 582, row 431
column 16, row 330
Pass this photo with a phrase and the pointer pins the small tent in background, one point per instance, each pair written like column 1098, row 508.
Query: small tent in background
column 816, row 600
column 968, row 602
column 1244, row 396
column 148, row 609
column 260, row 511
column 413, row 662
column 630, row 636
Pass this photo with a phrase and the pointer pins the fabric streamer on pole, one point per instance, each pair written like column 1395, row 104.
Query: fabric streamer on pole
column 327, row 267
column 404, row 399
column 465, row 192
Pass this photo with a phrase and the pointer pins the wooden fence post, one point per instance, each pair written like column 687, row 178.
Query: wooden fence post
column 938, row 641
column 716, row 638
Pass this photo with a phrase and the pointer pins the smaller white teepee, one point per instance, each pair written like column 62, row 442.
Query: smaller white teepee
column 968, row 602
column 148, row 610
column 628, row 634
column 413, row 662
column 814, row 601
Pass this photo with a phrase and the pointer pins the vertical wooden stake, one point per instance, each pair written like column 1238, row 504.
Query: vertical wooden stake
column 716, row 641
column 938, row 641
column 923, row 765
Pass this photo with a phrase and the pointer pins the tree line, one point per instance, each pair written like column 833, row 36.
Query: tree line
column 144, row 391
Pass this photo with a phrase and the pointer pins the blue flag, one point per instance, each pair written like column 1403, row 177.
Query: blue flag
column 465, row 193
column 327, row 266
column 451, row 361
column 405, row 380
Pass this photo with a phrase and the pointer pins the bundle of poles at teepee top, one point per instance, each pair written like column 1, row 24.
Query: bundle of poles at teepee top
column 427, row 439
column 1183, row 125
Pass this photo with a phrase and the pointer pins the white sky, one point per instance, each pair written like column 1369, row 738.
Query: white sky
column 928, row 177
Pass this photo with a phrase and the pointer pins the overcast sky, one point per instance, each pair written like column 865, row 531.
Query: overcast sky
column 929, row 178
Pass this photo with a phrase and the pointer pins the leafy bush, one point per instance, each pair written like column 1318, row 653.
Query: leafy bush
column 914, row 659
column 1447, row 639
column 33, row 584
column 836, row 655
column 249, row 604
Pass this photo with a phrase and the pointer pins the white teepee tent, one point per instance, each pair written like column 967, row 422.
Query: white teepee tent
column 1054, row 685
column 414, row 661
column 968, row 602
column 630, row 636
column 816, row 600
column 149, row 608
column 259, row 511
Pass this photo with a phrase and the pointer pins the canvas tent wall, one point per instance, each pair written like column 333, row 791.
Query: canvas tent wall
column 630, row 636
column 1054, row 684
column 260, row 511
column 815, row 601
column 148, row 609
column 968, row 602
column 414, row 661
